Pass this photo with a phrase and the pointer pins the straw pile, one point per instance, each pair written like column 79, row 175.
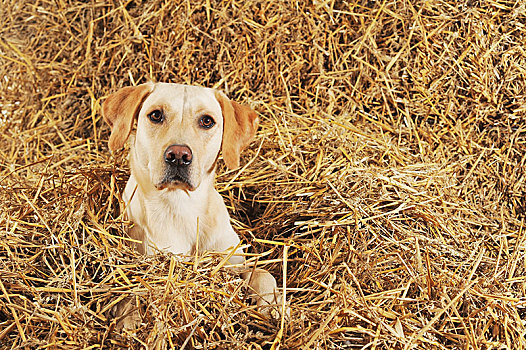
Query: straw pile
column 386, row 185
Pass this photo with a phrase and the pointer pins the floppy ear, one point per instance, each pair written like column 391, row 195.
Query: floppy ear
column 120, row 109
column 239, row 127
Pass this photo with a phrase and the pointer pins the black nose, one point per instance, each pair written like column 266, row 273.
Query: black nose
column 178, row 155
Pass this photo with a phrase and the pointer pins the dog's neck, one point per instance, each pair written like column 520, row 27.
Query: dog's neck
column 171, row 217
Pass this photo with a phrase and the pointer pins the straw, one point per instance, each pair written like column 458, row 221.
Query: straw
column 390, row 161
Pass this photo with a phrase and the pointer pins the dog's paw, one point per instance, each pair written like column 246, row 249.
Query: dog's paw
column 264, row 292
column 271, row 305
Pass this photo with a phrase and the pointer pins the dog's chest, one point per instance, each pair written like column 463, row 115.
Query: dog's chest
column 171, row 222
column 172, row 227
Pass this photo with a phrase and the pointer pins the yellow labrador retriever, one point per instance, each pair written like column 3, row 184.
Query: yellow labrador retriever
column 170, row 194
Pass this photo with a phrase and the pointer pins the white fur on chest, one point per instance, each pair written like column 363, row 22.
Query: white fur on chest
column 169, row 219
column 173, row 221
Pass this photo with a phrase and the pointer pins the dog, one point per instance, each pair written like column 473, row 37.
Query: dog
column 170, row 196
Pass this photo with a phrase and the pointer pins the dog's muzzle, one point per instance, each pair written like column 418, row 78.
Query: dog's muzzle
column 178, row 159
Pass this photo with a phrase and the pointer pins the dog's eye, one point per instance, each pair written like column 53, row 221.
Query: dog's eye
column 206, row 122
column 156, row 116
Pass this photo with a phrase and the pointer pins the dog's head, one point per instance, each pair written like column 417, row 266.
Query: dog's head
column 180, row 131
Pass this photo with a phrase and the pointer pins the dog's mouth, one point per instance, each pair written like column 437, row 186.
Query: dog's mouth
column 174, row 180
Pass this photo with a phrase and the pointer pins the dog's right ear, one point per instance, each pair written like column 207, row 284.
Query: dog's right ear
column 120, row 109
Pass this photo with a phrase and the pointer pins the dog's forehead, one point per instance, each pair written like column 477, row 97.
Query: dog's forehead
column 189, row 96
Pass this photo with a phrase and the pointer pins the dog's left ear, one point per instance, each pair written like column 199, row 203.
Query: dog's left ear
column 120, row 109
column 239, row 127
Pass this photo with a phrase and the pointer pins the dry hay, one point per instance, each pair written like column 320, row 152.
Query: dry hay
column 388, row 175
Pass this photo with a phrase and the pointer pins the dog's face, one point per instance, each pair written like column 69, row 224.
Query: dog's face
column 181, row 130
column 179, row 133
